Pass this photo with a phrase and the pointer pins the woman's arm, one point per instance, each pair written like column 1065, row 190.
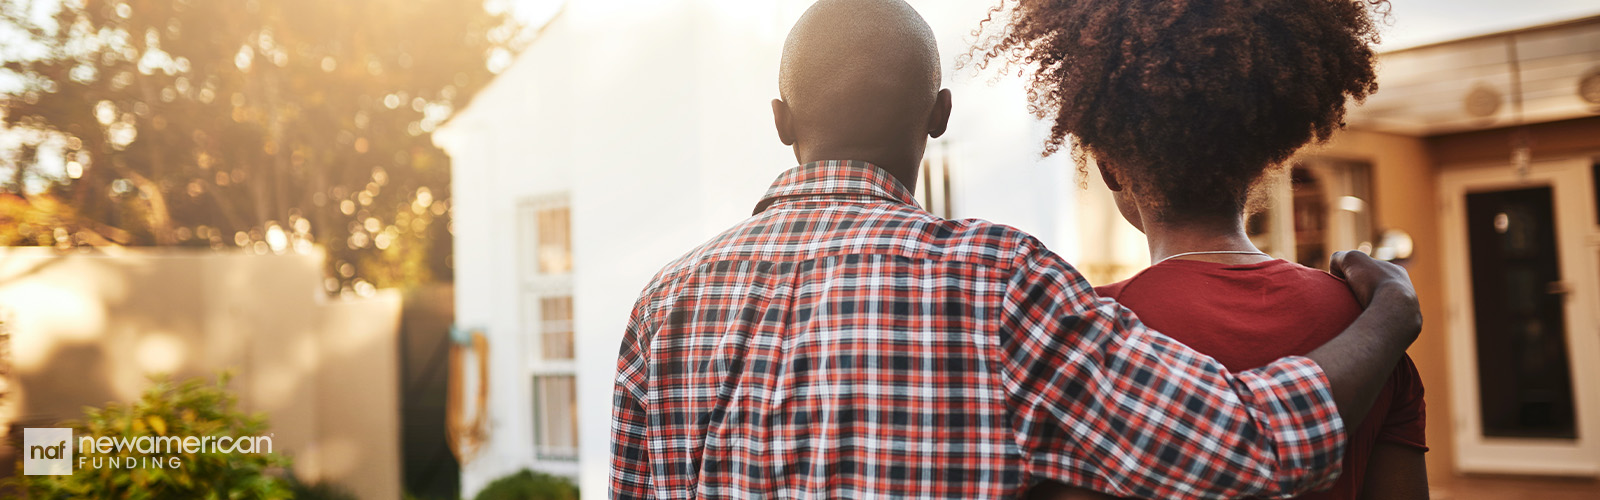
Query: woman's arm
column 1394, row 472
column 1051, row 490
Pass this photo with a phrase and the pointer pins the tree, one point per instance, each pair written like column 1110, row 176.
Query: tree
column 270, row 125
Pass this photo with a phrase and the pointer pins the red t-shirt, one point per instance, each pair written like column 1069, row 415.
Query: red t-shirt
column 1248, row 316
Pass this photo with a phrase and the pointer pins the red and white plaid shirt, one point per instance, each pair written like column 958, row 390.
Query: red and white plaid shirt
column 844, row 343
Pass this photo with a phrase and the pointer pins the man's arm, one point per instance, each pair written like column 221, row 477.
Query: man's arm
column 630, row 449
column 1103, row 402
column 630, row 445
column 1359, row 361
column 1394, row 472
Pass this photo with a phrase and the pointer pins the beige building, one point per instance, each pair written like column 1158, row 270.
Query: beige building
column 88, row 327
column 1478, row 164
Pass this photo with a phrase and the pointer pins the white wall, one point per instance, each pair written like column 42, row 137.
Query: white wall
column 653, row 116
column 997, row 171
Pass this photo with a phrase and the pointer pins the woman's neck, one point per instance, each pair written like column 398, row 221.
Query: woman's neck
column 1169, row 239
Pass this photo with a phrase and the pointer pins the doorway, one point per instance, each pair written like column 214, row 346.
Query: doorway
column 1523, row 285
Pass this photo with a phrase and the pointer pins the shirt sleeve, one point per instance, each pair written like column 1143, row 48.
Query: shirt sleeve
column 1406, row 422
column 630, row 446
column 1103, row 402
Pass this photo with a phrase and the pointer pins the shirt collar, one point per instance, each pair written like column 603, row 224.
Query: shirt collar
column 835, row 178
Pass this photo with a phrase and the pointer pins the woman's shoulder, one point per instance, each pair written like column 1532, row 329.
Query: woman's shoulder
column 1277, row 279
column 1115, row 290
column 1112, row 290
column 1314, row 278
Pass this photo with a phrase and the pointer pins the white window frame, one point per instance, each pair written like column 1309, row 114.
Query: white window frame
column 534, row 286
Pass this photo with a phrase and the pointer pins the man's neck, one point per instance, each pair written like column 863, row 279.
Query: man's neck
column 900, row 165
column 1220, row 234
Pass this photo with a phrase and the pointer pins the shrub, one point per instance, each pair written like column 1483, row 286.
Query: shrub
column 529, row 485
column 193, row 407
column 320, row 491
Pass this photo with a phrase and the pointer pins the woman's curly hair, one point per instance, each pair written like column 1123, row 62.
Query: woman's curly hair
column 1187, row 101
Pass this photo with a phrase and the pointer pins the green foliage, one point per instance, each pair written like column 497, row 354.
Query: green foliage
column 190, row 408
column 267, row 125
column 320, row 491
column 529, row 485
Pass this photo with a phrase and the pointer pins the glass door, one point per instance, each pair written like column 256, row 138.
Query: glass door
column 1519, row 304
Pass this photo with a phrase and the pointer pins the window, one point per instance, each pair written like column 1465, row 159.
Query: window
column 933, row 180
column 1594, row 177
column 545, row 234
column 1320, row 207
column 555, row 430
column 555, row 240
column 555, row 325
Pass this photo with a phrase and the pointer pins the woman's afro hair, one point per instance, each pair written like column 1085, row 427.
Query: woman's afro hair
column 1187, row 101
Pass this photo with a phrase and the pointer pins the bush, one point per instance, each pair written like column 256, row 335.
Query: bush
column 190, row 408
column 529, row 485
column 320, row 491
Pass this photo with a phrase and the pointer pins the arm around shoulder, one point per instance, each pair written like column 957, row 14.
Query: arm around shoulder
column 1089, row 382
column 1359, row 361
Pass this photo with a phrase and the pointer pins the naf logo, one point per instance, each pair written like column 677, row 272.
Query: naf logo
column 47, row 452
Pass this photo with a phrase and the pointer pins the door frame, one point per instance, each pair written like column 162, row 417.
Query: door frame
column 1577, row 237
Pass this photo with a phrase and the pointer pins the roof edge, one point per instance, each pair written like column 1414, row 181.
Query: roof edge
column 1590, row 19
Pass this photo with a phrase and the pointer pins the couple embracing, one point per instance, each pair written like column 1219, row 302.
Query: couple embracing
column 844, row 343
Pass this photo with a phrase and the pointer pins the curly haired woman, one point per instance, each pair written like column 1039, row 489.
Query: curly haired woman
column 1183, row 105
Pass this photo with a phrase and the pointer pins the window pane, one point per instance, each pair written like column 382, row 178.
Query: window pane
column 1332, row 210
column 1595, row 177
column 933, row 180
column 555, row 329
column 1259, row 226
column 555, row 240
column 1524, row 381
column 555, row 414
column 1310, row 217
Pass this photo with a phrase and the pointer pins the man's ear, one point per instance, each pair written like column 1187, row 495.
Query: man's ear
column 939, row 121
column 1111, row 180
column 784, row 121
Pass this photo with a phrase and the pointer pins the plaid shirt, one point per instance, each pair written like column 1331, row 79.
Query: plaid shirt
column 845, row 343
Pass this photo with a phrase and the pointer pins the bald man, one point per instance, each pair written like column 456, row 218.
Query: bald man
column 844, row 343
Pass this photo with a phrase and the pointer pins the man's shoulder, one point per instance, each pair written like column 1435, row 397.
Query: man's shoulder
column 985, row 243
column 686, row 263
column 890, row 230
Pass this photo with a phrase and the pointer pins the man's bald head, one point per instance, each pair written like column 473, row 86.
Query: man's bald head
column 841, row 48
column 860, row 74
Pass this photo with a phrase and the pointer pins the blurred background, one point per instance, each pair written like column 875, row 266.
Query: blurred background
column 413, row 231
